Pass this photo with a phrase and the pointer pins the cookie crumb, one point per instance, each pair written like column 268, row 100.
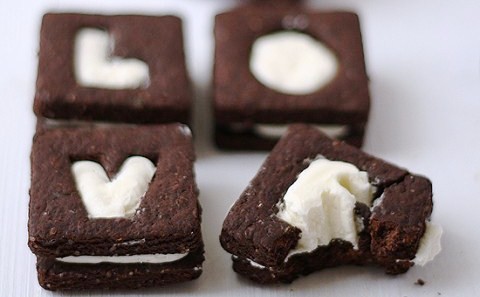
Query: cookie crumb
column 420, row 282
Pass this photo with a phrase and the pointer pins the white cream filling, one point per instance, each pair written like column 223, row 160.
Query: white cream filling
column 430, row 244
column 131, row 259
column 72, row 123
column 95, row 67
column 276, row 131
column 377, row 202
column 131, row 242
column 184, row 129
column 255, row 264
column 119, row 197
column 291, row 62
column 321, row 203
column 251, row 262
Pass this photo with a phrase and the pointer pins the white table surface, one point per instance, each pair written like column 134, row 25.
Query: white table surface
column 423, row 58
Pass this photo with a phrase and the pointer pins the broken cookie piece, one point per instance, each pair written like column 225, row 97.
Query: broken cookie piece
column 317, row 203
column 114, row 207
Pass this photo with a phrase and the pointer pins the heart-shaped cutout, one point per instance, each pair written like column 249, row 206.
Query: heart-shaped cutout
column 94, row 66
column 119, row 197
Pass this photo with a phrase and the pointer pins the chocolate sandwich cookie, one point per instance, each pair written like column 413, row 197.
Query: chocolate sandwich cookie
column 114, row 207
column 281, row 64
column 318, row 203
column 121, row 68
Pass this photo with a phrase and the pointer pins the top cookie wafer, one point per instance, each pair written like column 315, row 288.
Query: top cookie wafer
column 167, row 219
column 154, row 40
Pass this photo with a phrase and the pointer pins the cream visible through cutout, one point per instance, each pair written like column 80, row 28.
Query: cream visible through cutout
column 293, row 63
column 119, row 197
column 94, row 66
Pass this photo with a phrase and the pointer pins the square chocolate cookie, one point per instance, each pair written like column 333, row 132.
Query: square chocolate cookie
column 282, row 64
column 114, row 207
column 121, row 68
column 317, row 203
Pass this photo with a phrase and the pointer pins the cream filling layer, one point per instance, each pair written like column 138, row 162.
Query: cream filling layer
column 94, row 65
column 430, row 244
column 276, row 131
column 130, row 259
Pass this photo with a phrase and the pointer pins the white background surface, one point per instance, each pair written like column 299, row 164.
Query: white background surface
column 423, row 58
